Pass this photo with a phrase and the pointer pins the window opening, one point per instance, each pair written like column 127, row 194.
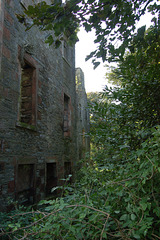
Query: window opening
column 25, row 184
column 66, row 115
column 28, row 95
column 80, row 112
column 65, row 50
column 51, row 179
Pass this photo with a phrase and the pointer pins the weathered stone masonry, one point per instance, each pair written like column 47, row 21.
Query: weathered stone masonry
column 38, row 110
column 83, row 115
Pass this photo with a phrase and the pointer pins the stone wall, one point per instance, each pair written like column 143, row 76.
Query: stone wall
column 38, row 111
column 83, row 115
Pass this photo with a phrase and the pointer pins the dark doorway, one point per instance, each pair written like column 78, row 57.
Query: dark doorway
column 51, row 179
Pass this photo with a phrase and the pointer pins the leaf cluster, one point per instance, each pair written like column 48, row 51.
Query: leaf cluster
column 113, row 21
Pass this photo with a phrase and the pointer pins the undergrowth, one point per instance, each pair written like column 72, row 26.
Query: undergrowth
column 109, row 201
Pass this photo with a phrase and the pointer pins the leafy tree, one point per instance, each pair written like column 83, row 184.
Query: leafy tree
column 113, row 22
column 93, row 97
column 132, row 108
column 138, row 78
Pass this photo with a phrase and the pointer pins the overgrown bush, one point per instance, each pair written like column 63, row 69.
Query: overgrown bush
column 114, row 200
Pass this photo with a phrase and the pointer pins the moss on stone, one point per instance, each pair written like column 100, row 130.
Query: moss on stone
column 28, row 126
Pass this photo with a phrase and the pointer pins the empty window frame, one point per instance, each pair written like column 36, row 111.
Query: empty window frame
column 27, row 111
column 51, row 178
column 66, row 120
column 25, row 183
column 65, row 50
column 80, row 112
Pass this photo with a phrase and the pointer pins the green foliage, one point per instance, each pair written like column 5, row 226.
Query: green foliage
column 138, row 79
column 116, row 195
column 113, row 21
column 93, row 98
column 114, row 200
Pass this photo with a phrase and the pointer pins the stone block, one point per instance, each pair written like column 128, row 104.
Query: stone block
column 8, row 17
column 10, row 3
column 2, row 165
column 1, row 34
column 1, row 187
column 6, row 52
column 11, row 186
column 6, row 33
column 39, row 117
column 39, row 100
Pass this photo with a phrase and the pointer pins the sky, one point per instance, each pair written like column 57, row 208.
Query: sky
column 95, row 79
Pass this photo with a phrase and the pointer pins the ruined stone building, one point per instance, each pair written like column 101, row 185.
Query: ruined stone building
column 83, row 115
column 43, row 117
